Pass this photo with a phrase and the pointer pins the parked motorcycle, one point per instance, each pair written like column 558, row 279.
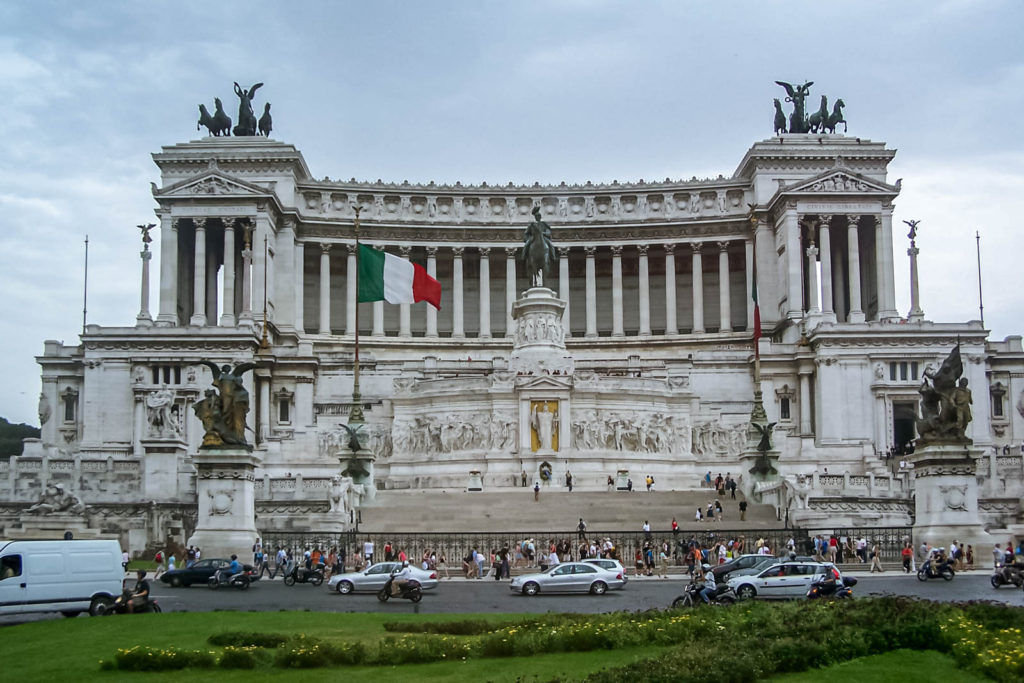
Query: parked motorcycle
column 299, row 574
column 835, row 590
column 933, row 570
column 120, row 605
column 1008, row 574
column 222, row 577
column 724, row 595
column 411, row 590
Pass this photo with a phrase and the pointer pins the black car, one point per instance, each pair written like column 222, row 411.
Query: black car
column 200, row 573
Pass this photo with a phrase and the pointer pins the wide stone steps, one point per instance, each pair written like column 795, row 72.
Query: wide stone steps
column 431, row 510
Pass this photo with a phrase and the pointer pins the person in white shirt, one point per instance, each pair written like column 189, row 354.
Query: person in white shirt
column 401, row 578
column 764, row 550
column 709, row 584
column 368, row 551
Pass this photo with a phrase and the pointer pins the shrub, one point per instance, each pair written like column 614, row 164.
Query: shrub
column 240, row 657
column 162, row 659
column 306, row 653
column 247, row 639
column 464, row 627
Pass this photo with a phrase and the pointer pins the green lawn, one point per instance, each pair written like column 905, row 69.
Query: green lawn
column 899, row 666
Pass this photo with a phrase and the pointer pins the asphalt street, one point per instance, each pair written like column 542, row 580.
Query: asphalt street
column 487, row 595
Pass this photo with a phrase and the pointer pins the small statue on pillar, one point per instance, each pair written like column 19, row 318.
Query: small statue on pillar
column 945, row 403
column 223, row 414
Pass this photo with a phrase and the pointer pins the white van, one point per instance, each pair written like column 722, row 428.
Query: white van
column 59, row 576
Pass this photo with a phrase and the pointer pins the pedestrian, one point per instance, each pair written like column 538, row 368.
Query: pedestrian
column 536, row 491
column 368, row 551
column 675, row 527
column 876, row 560
column 970, row 556
column 907, row 554
column 732, row 488
column 479, row 558
column 997, row 556
column 663, row 563
column 718, row 511
column 710, row 514
column 522, row 479
column 568, row 480
column 629, row 485
column 647, row 530
column 126, row 558
column 159, row 559
column 581, row 530
column 698, row 517
column 611, row 483
column 170, row 563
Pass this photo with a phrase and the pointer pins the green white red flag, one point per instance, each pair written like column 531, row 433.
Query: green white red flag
column 386, row 277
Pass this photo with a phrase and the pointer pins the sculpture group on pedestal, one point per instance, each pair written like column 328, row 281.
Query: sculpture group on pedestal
column 945, row 403
column 223, row 414
column 799, row 121
column 220, row 123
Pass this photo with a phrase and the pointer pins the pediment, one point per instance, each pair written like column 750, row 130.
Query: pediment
column 211, row 183
column 840, row 181
column 544, row 382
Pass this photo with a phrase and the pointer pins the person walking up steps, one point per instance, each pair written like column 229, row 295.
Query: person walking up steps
column 743, row 510
column 536, row 491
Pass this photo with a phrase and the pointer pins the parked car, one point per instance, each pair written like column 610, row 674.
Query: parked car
column 69, row 577
column 569, row 577
column 373, row 578
column 783, row 580
column 200, row 572
column 746, row 564
column 612, row 566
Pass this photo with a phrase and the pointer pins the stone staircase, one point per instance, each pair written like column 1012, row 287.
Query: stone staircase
column 437, row 510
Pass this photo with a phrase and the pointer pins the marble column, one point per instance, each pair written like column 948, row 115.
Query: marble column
column 645, row 290
column 698, row 288
column 264, row 426
column 805, row 403
column 825, row 240
column 853, row 245
column 485, row 293
column 617, row 330
column 838, row 288
column 325, row 288
column 404, row 310
column 671, row 325
column 227, row 316
column 199, row 276
column 591, row 292
column 299, row 268
column 144, row 319
column 915, row 314
column 812, row 280
column 886, row 277
column 510, row 290
column 563, row 286
column 724, row 293
column 351, row 294
column 748, row 253
column 794, row 291
column 246, row 315
column 378, row 319
column 168, row 314
column 458, row 330
column 431, row 311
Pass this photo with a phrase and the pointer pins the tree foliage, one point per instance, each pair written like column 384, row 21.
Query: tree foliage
column 11, row 436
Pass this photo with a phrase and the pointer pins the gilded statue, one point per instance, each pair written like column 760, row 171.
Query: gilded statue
column 223, row 412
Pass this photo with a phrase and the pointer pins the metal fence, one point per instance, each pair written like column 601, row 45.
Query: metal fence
column 890, row 540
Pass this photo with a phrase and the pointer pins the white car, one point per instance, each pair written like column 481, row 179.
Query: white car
column 373, row 578
column 569, row 577
column 611, row 565
column 783, row 580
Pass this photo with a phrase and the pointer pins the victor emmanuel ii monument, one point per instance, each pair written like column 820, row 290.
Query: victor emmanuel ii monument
column 620, row 338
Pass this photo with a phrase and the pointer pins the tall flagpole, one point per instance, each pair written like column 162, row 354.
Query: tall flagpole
column 981, row 305
column 355, row 413
column 85, row 284
column 757, row 413
column 264, row 342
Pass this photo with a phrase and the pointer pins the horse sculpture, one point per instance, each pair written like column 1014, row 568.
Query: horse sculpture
column 218, row 124
column 266, row 123
column 836, row 117
column 780, row 118
column 538, row 253
column 820, row 118
column 204, row 119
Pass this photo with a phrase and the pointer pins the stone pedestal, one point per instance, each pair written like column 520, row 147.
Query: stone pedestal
column 359, row 466
column 758, row 468
column 539, row 343
column 476, row 482
column 946, row 496
column 53, row 526
column 227, row 503
column 161, row 478
column 621, row 480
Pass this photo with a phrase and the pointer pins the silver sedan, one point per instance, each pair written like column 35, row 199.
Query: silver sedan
column 568, row 577
column 373, row 578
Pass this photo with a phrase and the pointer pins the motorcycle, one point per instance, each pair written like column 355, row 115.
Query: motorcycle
column 299, row 574
column 120, row 605
column 724, row 595
column 838, row 590
column 222, row 577
column 1006, row 574
column 410, row 591
column 929, row 570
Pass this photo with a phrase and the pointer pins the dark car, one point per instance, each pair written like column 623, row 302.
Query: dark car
column 751, row 562
column 200, row 573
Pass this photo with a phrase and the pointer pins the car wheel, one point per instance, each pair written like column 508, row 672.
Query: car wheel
column 599, row 588
column 345, row 587
column 531, row 588
column 176, row 582
column 997, row 581
column 316, row 579
column 746, row 592
column 71, row 614
column 100, row 606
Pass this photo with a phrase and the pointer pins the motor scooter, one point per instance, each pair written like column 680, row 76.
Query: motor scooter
column 120, row 605
column 1008, row 573
column 299, row 574
column 934, row 570
column 223, row 577
column 840, row 589
column 411, row 590
column 724, row 595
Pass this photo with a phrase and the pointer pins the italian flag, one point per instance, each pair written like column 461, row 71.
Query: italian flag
column 386, row 277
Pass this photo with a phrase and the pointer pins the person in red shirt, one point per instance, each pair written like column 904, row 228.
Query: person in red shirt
column 907, row 554
column 675, row 526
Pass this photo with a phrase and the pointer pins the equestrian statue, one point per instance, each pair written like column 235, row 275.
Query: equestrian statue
column 538, row 253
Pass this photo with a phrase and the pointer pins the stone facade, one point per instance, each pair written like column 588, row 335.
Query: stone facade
column 654, row 370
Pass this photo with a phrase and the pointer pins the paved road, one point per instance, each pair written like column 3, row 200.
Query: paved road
column 459, row 595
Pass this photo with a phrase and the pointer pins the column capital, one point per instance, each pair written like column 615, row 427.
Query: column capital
column 351, row 247
column 325, row 247
column 563, row 252
column 175, row 222
column 853, row 220
column 510, row 252
column 431, row 252
column 404, row 251
column 696, row 246
column 669, row 248
column 723, row 245
column 616, row 250
column 590, row 251
column 824, row 220
column 457, row 251
column 484, row 251
column 878, row 220
column 642, row 249
column 913, row 251
column 812, row 250
column 200, row 223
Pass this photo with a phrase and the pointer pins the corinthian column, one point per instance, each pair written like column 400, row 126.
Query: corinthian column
column 485, row 293
column 404, row 312
column 246, row 315
column 591, row 292
column 853, row 243
column 825, row 240
column 510, row 290
column 812, row 280
column 671, row 325
column 698, row 289
column 915, row 314
column 617, row 330
column 724, row 301
column 168, row 271
column 458, row 331
column 431, row 311
column 227, row 316
column 199, row 276
column 144, row 319
column 883, row 248
column 645, row 291
column 325, row 288
column 351, row 295
column 563, row 286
